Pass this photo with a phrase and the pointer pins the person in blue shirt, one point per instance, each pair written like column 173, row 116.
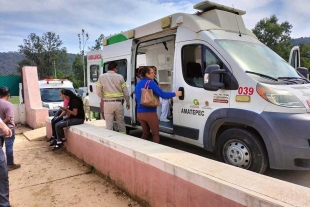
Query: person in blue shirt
column 147, row 115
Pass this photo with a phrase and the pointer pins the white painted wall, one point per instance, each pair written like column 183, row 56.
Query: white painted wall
column 19, row 113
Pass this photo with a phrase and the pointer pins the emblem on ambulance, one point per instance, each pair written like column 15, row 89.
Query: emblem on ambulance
column 206, row 106
column 196, row 104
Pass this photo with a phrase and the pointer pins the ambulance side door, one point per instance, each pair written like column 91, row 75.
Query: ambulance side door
column 94, row 70
column 191, row 111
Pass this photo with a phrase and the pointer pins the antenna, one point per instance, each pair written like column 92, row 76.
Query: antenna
column 237, row 21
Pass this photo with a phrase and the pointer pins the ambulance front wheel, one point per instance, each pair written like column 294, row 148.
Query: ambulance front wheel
column 242, row 148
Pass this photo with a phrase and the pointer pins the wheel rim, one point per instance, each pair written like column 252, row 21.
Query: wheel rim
column 237, row 153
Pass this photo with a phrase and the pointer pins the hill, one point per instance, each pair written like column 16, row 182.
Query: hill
column 9, row 62
column 301, row 40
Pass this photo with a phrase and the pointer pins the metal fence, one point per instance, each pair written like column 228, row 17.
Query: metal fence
column 12, row 82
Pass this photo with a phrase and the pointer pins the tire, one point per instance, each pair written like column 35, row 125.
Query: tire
column 243, row 149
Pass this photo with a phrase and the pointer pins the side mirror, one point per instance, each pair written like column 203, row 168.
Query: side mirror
column 303, row 71
column 213, row 78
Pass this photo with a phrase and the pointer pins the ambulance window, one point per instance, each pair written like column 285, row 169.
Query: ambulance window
column 121, row 67
column 195, row 58
column 94, row 73
column 210, row 58
column 191, row 65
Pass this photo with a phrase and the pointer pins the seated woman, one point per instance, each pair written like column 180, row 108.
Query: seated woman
column 58, row 117
column 75, row 111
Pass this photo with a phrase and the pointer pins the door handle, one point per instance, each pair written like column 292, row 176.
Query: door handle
column 91, row 88
column 181, row 89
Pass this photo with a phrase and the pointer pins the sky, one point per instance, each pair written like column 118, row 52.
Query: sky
column 67, row 18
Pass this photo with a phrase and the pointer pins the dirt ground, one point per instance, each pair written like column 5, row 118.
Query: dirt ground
column 55, row 179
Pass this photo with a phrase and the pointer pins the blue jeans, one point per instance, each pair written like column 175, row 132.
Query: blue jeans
column 4, row 181
column 9, row 141
column 54, row 122
column 65, row 123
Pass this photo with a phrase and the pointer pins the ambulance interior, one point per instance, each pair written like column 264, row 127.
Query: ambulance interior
column 160, row 53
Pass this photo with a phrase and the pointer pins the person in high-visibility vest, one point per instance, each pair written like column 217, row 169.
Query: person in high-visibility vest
column 111, row 87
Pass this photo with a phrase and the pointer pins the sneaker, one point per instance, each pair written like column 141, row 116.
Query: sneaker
column 51, row 139
column 165, row 120
column 53, row 142
column 58, row 146
column 13, row 167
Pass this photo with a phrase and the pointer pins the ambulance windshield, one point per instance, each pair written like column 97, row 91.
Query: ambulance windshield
column 257, row 58
column 52, row 94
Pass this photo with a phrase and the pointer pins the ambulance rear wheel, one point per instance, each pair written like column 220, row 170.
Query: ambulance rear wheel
column 242, row 148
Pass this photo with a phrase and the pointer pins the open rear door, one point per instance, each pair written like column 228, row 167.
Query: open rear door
column 294, row 59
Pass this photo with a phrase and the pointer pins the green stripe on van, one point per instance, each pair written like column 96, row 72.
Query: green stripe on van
column 116, row 39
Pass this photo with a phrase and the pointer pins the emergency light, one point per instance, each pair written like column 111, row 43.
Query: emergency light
column 48, row 80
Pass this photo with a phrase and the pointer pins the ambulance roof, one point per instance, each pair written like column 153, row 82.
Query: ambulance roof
column 211, row 16
column 55, row 83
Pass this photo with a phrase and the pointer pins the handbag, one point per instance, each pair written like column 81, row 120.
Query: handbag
column 148, row 98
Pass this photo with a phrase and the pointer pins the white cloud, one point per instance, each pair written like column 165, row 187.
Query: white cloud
column 66, row 18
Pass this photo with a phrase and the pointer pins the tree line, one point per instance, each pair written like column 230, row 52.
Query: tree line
column 46, row 52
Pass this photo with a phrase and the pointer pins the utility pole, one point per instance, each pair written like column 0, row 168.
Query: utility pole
column 54, row 68
column 82, row 44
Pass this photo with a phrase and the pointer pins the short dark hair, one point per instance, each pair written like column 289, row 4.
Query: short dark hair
column 4, row 91
column 112, row 65
column 145, row 70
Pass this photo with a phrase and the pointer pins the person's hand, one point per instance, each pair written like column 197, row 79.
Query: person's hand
column 127, row 106
column 178, row 93
column 6, row 130
column 63, row 108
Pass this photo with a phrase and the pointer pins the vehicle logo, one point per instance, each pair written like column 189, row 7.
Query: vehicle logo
column 196, row 103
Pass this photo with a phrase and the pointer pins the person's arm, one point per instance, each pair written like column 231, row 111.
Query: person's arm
column 99, row 90
column 125, row 92
column 157, row 91
column 9, row 114
column 73, row 112
column 7, row 131
column 7, row 119
column 74, row 105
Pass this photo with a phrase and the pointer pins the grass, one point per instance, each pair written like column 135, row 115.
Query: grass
column 14, row 99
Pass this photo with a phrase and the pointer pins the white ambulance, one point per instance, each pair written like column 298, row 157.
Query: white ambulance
column 240, row 99
column 50, row 93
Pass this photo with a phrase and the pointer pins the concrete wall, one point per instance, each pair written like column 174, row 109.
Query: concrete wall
column 35, row 113
column 19, row 113
column 163, row 176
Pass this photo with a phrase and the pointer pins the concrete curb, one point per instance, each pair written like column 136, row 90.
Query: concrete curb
column 163, row 176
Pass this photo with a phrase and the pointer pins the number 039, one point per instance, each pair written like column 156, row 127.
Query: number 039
column 246, row 90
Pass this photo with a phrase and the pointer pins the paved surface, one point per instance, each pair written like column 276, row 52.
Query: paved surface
column 54, row 179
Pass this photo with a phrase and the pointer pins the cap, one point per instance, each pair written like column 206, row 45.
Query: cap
column 4, row 91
